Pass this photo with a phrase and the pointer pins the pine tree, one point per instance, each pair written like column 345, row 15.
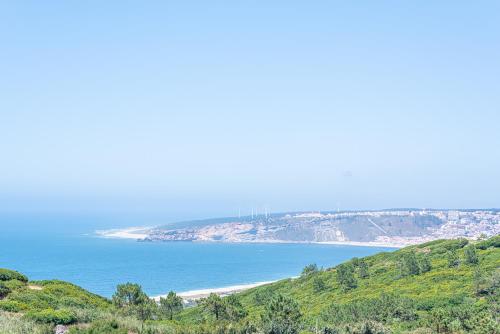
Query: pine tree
column 309, row 269
column 214, row 304
column 128, row 294
column 170, row 305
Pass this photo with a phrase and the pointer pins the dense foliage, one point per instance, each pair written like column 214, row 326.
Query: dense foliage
column 7, row 275
column 444, row 286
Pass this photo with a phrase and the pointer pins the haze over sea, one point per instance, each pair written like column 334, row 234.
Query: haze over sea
column 66, row 248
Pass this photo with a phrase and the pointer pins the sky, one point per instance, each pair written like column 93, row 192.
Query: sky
column 192, row 109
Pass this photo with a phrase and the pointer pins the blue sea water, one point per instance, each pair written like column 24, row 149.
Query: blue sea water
column 56, row 249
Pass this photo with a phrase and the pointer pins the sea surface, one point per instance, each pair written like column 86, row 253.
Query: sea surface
column 68, row 249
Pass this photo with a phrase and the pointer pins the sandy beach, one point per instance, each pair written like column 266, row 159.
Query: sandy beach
column 364, row 244
column 137, row 233
column 193, row 295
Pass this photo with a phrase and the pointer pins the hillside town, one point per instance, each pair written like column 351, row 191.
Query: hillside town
column 394, row 228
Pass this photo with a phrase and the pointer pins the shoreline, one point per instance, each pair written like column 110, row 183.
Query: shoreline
column 136, row 233
column 191, row 296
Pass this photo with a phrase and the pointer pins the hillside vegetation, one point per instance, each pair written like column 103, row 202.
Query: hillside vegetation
column 445, row 286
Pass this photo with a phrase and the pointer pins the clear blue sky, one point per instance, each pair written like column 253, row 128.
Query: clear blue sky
column 197, row 109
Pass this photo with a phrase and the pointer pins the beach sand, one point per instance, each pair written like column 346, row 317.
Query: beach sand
column 193, row 295
column 137, row 233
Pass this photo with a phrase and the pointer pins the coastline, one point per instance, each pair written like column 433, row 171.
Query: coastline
column 140, row 233
column 136, row 233
column 192, row 296
column 364, row 244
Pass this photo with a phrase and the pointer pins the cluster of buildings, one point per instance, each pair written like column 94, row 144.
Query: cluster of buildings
column 383, row 227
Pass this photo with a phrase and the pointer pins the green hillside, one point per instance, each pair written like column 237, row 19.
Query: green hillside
column 445, row 286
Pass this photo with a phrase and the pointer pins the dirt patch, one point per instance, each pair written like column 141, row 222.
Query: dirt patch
column 34, row 287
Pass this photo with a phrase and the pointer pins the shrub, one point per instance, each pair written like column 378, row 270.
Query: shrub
column 50, row 316
column 4, row 290
column 457, row 244
column 14, row 284
column 7, row 275
column 345, row 276
column 425, row 264
column 452, row 257
column 466, row 317
column 491, row 242
column 262, row 296
column 282, row 316
column 59, row 295
column 234, row 308
column 385, row 309
column 363, row 269
column 409, row 264
column 368, row 327
column 12, row 306
column 470, row 255
column 318, row 284
column 486, row 285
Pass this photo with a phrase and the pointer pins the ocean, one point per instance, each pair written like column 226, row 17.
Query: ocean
column 44, row 248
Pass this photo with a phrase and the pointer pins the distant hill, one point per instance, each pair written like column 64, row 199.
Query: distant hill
column 395, row 227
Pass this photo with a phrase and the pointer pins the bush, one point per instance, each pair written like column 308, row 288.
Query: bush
column 59, row 295
column 491, row 242
column 470, row 255
column 4, row 290
column 457, row 244
column 50, row 316
column 384, row 309
column 12, row 306
column 282, row 316
column 466, row 317
column 262, row 296
column 425, row 264
column 452, row 258
column 409, row 264
column 443, row 246
column 318, row 284
column 345, row 276
column 368, row 327
column 363, row 269
column 7, row 275
column 14, row 284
